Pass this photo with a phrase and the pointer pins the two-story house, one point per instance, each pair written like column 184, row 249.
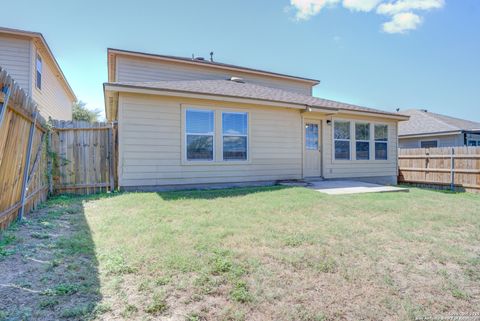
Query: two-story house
column 189, row 122
column 28, row 59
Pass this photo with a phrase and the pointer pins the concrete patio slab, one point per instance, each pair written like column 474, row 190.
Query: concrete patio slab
column 341, row 187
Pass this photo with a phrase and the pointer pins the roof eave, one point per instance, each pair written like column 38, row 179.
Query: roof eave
column 109, row 87
column 442, row 133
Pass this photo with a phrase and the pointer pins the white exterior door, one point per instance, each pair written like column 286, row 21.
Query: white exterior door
column 312, row 164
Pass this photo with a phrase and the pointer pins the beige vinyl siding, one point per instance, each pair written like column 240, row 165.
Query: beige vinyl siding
column 150, row 144
column 52, row 99
column 443, row 141
column 132, row 69
column 359, row 168
column 15, row 58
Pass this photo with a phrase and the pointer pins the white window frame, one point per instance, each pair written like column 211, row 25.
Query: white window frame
column 37, row 59
column 363, row 140
column 199, row 134
column 243, row 135
column 375, row 141
column 428, row 140
column 342, row 139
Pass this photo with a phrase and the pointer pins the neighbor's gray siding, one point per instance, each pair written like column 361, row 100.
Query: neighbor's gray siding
column 132, row 69
column 15, row 58
column 150, row 144
column 443, row 141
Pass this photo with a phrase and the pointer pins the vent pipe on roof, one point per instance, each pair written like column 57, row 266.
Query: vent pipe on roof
column 237, row 79
column 424, row 110
column 211, row 56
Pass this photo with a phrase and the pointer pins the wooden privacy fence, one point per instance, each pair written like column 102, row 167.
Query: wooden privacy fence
column 455, row 168
column 23, row 157
column 39, row 158
column 83, row 156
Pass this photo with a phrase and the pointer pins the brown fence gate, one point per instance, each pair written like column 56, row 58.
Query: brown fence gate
column 83, row 157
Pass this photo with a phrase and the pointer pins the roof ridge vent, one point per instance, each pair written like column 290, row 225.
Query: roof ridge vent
column 424, row 110
column 237, row 79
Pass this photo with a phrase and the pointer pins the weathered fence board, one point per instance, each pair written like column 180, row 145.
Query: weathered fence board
column 446, row 167
column 22, row 137
column 83, row 157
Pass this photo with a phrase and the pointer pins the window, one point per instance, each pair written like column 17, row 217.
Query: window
column 235, row 136
column 428, row 144
column 341, row 136
column 200, row 131
column 381, row 142
column 473, row 143
column 362, row 141
column 311, row 136
column 38, row 77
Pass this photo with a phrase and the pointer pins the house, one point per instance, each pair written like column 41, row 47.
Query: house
column 188, row 122
column 28, row 59
column 425, row 129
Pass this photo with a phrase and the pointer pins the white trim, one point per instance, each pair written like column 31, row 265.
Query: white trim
column 369, row 140
column 186, row 134
column 222, row 135
column 430, row 134
column 382, row 142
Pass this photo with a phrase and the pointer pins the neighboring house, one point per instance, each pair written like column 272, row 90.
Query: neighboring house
column 28, row 59
column 428, row 130
column 188, row 122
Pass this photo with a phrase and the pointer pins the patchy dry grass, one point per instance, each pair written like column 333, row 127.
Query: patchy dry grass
column 244, row 254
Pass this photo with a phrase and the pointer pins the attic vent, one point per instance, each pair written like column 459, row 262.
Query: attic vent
column 237, row 79
column 424, row 110
column 199, row 58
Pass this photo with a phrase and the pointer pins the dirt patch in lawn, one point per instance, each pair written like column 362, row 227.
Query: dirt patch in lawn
column 48, row 266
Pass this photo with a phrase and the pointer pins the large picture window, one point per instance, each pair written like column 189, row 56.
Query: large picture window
column 381, row 142
column 341, row 135
column 235, row 136
column 362, row 141
column 200, row 131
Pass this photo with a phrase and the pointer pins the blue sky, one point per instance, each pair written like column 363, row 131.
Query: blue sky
column 385, row 54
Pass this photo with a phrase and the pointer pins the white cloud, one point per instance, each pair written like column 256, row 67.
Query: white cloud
column 403, row 13
column 308, row 8
column 361, row 5
column 402, row 22
column 400, row 6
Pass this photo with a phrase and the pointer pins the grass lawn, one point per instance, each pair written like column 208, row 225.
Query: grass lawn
column 244, row 254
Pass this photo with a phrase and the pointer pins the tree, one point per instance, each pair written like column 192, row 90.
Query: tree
column 80, row 112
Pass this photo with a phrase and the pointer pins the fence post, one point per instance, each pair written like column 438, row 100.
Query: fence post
column 27, row 165
column 49, row 162
column 452, row 170
column 111, row 145
column 7, row 90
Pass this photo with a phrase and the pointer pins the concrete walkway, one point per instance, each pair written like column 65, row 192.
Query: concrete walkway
column 341, row 187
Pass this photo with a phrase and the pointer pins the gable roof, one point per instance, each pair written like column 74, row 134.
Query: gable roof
column 233, row 89
column 423, row 122
column 111, row 52
column 43, row 43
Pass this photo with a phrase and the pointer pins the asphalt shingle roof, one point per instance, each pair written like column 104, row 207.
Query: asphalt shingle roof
column 424, row 122
column 249, row 91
